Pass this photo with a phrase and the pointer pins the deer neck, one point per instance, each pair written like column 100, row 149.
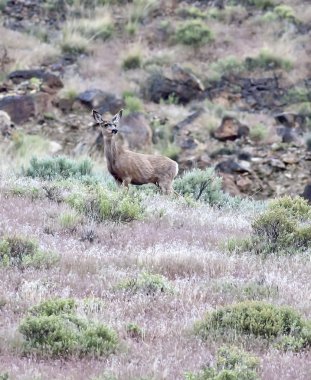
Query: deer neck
column 112, row 151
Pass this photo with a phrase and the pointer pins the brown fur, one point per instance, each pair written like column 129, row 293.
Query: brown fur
column 129, row 167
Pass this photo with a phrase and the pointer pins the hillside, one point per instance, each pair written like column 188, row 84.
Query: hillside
column 102, row 283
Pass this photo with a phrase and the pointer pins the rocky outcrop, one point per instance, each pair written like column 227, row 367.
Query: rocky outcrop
column 230, row 129
column 6, row 125
column 101, row 101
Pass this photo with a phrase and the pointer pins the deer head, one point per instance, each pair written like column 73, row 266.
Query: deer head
column 108, row 127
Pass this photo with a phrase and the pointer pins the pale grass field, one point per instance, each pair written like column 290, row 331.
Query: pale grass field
column 186, row 245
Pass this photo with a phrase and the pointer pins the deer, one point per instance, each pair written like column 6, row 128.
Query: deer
column 128, row 167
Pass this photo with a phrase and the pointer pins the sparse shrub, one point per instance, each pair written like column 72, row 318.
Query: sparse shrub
column 132, row 104
column 298, row 95
column 69, row 220
column 171, row 150
column 227, row 66
column 54, row 329
column 142, row 9
column 192, row 12
column 4, row 375
column 258, row 133
column 255, row 318
column 131, row 28
column 232, row 364
column 134, row 331
column 100, row 27
column 132, row 61
column 57, row 168
column 203, row 185
column 101, row 204
column 266, row 60
column 147, row 283
column 3, row 4
column 23, row 252
column 194, row 33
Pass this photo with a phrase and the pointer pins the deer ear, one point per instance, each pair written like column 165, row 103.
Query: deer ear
column 116, row 119
column 97, row 116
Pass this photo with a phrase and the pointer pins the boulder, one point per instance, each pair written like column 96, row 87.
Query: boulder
column 50, row 82
column 290, row 119
column 136, row 131
column 182, row 85
column 307, row 192
column 230, row 167
column 230, row 129
column 101, row 101
column 23, row 107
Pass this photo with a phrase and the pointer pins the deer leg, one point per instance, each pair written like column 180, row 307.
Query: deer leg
column 125, row 183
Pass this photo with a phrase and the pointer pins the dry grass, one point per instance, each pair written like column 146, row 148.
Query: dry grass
column 182, row 243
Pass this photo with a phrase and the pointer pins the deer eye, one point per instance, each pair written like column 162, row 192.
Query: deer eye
column 106, row 125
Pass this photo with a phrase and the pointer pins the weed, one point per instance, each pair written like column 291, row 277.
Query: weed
column 260, row 4
column 134, row 331
column 284, row 11
column 192, row 12
column 69, row 220
column 227, row 66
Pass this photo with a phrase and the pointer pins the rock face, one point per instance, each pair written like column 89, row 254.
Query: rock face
column 101, row 101
column 23, row 107
column 230, row 129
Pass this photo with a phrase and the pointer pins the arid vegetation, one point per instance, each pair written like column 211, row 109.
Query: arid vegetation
column 100, row 282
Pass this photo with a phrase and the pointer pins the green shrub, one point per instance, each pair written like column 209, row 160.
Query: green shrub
column 267, row 60
column 201, row 185
column 255, row 318
column 134, row 331
column 56, row 306
column 284, row 11
column 298, row 95
column 74, row 43
column 69, row 220
column 147, row 283
column 194, row 33
column 102, row 204
column 258, row 133
column 56, row 330
column 3, row 375
column 132, row 104
column 284, row 226
column 23, row 252
column 57, row 168
column 231, row 364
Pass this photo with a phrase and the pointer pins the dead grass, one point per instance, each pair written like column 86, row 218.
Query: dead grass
column 182, row 243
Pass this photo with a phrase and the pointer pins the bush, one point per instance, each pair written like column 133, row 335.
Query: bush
column 69, row 220
column 227, row 66
column 194, row 33
column 147, row 283
column 201, row 185
column 58, row 168
column 132, row 104
column 266, row 60
column 23, row 252
column 261, row 4
column 231, row 364
column 256, row 318
column 54, row 329
column 284, row 12
column 101, row 204
column 284, row 226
